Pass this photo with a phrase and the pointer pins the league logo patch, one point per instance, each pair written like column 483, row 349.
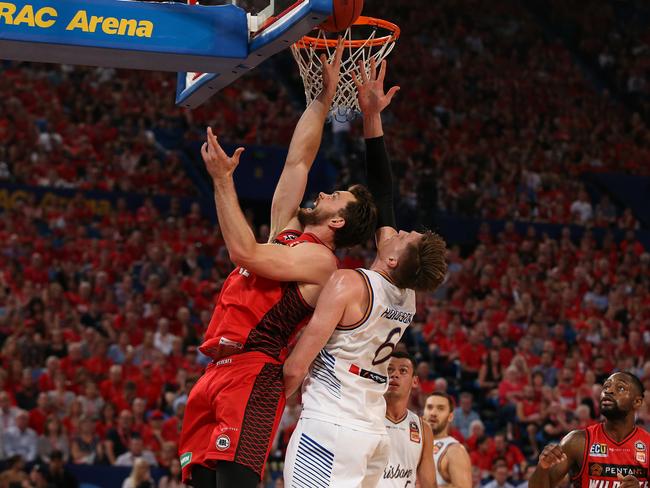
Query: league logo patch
column 640, row 452
column 223, row 442
column 185, row 459
column 436, row 447
column 415, row 431
column 598, row 450
column 639, row 446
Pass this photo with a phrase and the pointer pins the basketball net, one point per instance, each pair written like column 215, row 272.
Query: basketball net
column 379, row 37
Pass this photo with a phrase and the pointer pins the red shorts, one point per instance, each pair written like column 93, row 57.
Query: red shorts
column 232, row 413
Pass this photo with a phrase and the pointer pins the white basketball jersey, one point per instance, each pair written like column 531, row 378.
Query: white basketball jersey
column 406, row 441
column 348, row 379
column 439, row 448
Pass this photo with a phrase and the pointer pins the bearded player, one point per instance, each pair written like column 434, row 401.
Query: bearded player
column 411, row 439
column 234, row 409
column 360, row 316
column 609, row 454
column 453, row 467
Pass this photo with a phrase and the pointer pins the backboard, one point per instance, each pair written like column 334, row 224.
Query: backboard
column 273, row 25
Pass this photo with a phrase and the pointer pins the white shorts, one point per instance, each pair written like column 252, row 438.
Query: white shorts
column 321, row 455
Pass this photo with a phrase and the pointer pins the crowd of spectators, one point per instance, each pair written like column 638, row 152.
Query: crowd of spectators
column 101, row 316
column 614, row 38
column 502, row 121
column 99, row 331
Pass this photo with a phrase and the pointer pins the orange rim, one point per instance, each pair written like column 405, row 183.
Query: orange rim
column 318, row 43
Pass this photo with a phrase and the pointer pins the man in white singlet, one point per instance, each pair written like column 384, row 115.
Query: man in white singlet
column 340, row 440
column 411, row 439
column 453, row 467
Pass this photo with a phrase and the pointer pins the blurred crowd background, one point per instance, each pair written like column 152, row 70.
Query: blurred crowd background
column 520, row 133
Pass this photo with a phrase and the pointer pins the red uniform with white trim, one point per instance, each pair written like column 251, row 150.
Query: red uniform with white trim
column 604, row 458
column 234, row 409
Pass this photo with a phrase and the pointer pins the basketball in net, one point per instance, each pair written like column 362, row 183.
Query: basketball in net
column 366, row 39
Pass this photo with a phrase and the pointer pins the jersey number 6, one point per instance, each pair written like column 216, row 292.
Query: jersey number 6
column 386, row 349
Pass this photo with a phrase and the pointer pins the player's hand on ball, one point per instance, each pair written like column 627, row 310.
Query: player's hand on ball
column 628, row 481
column 370, row 90
column 217, row 162
column 551, row 456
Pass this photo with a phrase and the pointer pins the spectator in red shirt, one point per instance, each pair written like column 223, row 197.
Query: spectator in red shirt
column 172, row 427
column 471, row 358
column 38, row 415
column 111, row 388
column 510, row 452
column 46, row 379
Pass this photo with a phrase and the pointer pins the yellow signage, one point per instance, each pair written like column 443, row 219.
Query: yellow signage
column 46, row 17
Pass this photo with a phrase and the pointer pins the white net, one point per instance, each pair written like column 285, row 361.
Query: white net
column 376, row 44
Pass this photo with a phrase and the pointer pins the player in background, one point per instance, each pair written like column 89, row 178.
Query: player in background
column 453, row 467
column 609, row 454
column 360, row 316
column 411, row 439
column 234, row 409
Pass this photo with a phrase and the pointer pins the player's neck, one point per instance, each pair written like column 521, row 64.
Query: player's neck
column 380, row 267
column 440, row 435
column 619, row 429
column 323, row 233
column 396, row 411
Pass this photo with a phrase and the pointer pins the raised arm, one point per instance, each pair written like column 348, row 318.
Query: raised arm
column 339, row 303
column 304, row 146
column 308, row 263
column 426, row 474
column 372, row 100
column 556, row 461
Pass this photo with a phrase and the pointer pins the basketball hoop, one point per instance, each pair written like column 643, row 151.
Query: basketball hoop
column 368, row 38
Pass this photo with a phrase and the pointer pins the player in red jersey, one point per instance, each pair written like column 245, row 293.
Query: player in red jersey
column 609, row 454
column 233, row 411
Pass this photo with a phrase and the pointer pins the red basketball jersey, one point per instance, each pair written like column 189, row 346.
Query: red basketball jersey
column 257, row 314
column 604, row 458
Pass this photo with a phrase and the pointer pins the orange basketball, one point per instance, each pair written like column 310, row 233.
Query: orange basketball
column 345, row 13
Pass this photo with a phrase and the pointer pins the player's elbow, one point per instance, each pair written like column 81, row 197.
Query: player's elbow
column 242, row 255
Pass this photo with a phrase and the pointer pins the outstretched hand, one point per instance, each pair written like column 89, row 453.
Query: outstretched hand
column 217, row 162
column 332, row 70
column 370, row 90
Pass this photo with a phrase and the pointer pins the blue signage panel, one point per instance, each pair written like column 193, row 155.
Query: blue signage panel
column 69, row 27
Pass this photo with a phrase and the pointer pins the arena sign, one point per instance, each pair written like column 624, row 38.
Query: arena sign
column 210, row 46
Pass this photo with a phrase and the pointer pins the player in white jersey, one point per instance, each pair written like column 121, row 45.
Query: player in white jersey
column 411, row 439
column 453, row 466
column 341, row 440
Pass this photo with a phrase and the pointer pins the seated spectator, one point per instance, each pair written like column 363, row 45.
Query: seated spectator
column 530, row 414
column 21, row 440
column 511, row 453
column 38, row 415
column 57, row 475
column 167, row 455
column 464, row 414
column 483, row 455
column 86, row 446
column 511, row 388
column 490, row 374
column 8, row 412
column 54, row 438
column 91, row 401
column 173, row 479
column 500, row 474
column 27, row 392
column 136, row 451
column 140, row 476
column 118, row 439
